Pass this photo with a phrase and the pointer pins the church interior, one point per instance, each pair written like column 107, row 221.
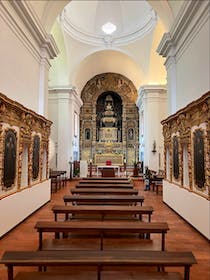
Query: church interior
column 104, row 136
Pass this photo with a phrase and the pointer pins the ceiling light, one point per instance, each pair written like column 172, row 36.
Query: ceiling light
column 109, row 28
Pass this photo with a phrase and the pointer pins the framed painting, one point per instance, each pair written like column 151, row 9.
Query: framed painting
column 175, row 157
column 35, row 158
column 199, row 171
column 10, row 152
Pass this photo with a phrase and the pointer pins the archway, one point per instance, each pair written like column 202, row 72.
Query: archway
column 110, row 114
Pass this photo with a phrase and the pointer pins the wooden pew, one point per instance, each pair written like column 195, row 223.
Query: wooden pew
column 109, row 191
column 104, row 199
column 58, row 179
column 104, row 185
column 102, row 210
column 97, row 227
column 106, row 178
column 102, row 181
column 103, row 260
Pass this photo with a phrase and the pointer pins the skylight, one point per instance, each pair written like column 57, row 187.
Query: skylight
column 109, row 28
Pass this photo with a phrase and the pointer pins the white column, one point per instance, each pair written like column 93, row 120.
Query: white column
column 152, row 103
column 63, row 104
column 43, row 83
column 171, row 84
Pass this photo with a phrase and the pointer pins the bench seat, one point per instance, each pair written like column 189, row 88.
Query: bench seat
column 83, row 244
column 104, row 276
column 100, row 259
column 104, row 185
column 102, row 211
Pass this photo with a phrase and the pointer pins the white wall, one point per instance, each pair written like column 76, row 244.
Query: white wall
column 192, row 207
column 193, row 68
column 19, row 71
column 15, row 208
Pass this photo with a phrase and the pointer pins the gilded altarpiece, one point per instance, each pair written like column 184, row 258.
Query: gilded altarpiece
column 109, row 120
column 190, row 148
column 20, row 128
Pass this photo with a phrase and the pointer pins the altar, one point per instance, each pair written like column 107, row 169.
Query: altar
column 116, row 159
column 115, row 167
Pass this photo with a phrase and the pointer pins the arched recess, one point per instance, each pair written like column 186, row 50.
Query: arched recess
column 121, row 147
column 110, row 61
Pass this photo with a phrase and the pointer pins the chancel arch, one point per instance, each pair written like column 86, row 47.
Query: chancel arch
column 110, row 112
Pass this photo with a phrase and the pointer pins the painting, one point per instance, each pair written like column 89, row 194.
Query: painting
column 10, row 151
column 199, row 171
column 175, row 157
column 35, row 158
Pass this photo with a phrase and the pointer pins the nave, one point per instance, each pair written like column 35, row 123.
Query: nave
column 180, row 237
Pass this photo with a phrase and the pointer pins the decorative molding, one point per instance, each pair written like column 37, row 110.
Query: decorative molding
column 124, row 88
column 28, row 20
column 191, row 17
column 183, row 123
column 108, row 40
column 68, row 92
column 151, row 91
column 26, row 123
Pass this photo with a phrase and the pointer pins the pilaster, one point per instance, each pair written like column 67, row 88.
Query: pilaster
column 66, row 125
column 152, row 109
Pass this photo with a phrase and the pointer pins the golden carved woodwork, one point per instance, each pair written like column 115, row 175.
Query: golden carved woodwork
column 184, row 123
column 92, row 90
column 26, row 124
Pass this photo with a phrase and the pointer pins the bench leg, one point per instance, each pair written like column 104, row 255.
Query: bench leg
column 187, row 272
column 101, row 243
column 10, row 272
column 99, row 268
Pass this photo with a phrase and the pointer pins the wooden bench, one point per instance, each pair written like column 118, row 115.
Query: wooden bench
column 158, row 185
column 103, row 260
column 104, row 185
column 102, row 181
column 106, row 178
column 110, row 191
column 102, row 210
column 104, row 199
column 56, row 275
column 58, row 179
column 100, row 228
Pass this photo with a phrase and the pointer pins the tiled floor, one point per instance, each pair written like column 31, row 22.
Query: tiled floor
column 181, row 237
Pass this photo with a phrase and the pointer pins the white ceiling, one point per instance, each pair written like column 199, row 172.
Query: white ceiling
column 83, row 20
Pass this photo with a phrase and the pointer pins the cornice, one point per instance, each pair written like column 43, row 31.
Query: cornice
column 32, row 24
column 68, row 92
column 192, row 15
column 151, row 91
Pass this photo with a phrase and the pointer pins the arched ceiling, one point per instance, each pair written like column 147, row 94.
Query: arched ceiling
column 108, row 23
column 48, row 10
column 133, row 58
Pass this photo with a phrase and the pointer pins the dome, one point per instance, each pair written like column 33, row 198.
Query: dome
column 108, row 23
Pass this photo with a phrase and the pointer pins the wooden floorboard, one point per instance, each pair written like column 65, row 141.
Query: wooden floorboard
column 180, row 237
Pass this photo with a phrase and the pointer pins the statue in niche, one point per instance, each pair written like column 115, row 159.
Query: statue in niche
column 109, row 119
column 10, row 151
column 199, row 171
column 35, row 159
column 175, row 157
column 87, row 134
column 130, row 134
